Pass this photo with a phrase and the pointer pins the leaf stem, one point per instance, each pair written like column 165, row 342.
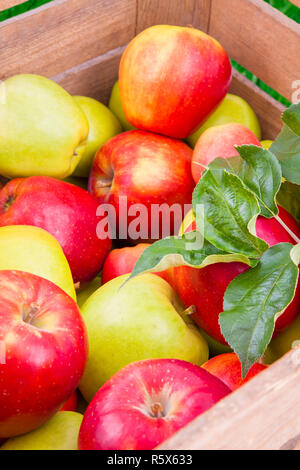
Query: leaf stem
column 288, row 230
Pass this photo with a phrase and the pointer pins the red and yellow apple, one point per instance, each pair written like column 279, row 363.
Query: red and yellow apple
column 171, row 78
column 45, row 351
column 227, row 367
column 147, row 402
column 151, row 172
column 205, row 288
column 219, row 141
column 64, row 210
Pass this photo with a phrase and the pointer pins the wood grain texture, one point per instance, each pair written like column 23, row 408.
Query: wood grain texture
column 63, row 34
column 260, row 38
column 264, row 414
column 267, row 108
column 4, row 4
column 175, row 12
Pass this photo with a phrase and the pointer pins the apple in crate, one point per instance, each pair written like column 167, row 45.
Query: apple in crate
column 146, row 402
column 227, row 367
column 64, row 210
column 44, row 350
column 140, row 319
column 172, row 78
column 205, row 288
column 137, row 172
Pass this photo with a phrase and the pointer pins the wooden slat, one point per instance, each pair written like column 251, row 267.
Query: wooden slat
column 94, row 78
column 263, row 414
column 4, row 4
column 63, row 34
column 267, row 108
column 175, row 12
column 260, row 38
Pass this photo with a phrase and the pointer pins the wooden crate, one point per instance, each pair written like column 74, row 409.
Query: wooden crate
column 78, row 43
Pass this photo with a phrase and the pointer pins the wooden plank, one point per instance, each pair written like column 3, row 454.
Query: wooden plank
column 10, row 3
column 175, row 12
column 94, row 78
column 64, row 33
column 267, row 108
column 260, row 38
column 263, row 414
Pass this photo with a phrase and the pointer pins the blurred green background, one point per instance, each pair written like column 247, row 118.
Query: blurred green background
column 284, row 6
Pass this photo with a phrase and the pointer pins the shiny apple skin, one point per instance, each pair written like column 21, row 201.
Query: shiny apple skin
column 122, row 261
column 45, row 351
column 120, row 418
column 227, row 367
column 205, row 288
column 219, row 141
column 64, row 210
column 146, row 168
column 171, row 78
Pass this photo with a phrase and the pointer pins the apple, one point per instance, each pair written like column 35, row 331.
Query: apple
column 233, row 108
column 45, row 350
column 59, row 433
column 146, row 402
column 77, row 181
column 103, row 125
column 227, row 367
column 122, row 261
column 149, row 170
column 205, row 288
column 64, row 210
column 71, row 403
column 87, row 289
column 116, row 107
column 266, row 144
column 219, row 141
column 42, row 129
column 141, row 319
column 32, row 249
column 172, row 78
column 284, row 342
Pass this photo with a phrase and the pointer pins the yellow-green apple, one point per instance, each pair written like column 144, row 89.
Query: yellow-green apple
column 205, row 288
column 44, row 349
column 115, row 105
column 172, row 78
column 141, row 319
column 64, row 210
column 146, row 402
column 288, row 339
column 42, row 129
column 266, row 144
column 87, row 289
column 232, row 109
column 151, row 172
column 122, row 261
column 227, row 367
column 59, row 433
column 32, row 249
column 103, row 125
column 71, row 403
column 219, row 141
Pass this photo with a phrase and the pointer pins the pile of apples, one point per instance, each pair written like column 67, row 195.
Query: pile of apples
column 139, row 350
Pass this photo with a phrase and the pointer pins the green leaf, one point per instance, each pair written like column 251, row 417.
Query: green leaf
column 286, row 146
column 230, row 212
column 260, row 171
column 255, row 299
column 188, row 250
column 289, row 198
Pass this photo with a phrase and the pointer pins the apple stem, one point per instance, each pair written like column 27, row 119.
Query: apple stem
column 288, row 230
column 190, row 310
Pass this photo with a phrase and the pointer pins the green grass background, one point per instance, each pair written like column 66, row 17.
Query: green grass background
column 283, row 5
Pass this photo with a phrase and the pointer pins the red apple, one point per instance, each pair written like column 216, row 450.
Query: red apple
column 150, row 171
column 219, row 141
column 227, row 367
column 122, row 261
column 205, row 288
column 71, row 403
column 172, row 78
column 45, row 346
column 66, row 211
column 146, row 402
